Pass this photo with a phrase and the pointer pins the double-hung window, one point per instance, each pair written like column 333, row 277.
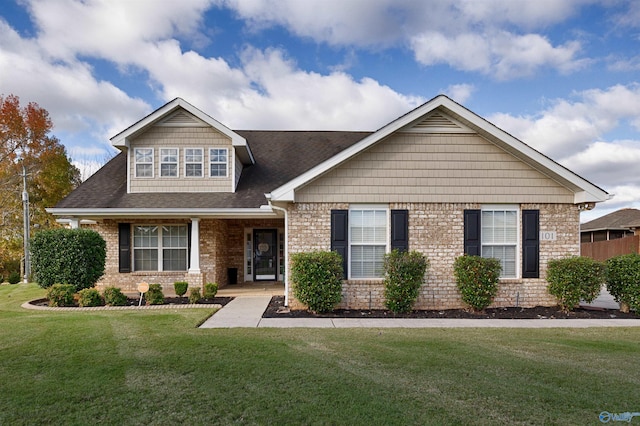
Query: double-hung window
column 368, row 236
column 193, row 162
column 160, row 248
column 500, row 237
column 168, row 162
column 218, row 162
column 144, row 162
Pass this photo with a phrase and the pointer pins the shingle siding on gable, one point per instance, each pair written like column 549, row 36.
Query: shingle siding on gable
column 437, row 168
column 181, row 137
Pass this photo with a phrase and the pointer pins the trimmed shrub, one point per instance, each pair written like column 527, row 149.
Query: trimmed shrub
column 113, row 296
column 68, row 255
column 154, row 295
column 14, row 277
column 573, row 279
column 403, row 277
column 194, row 295
column 180, row 287
column 477, row 279
column 317, row 279
column 210, row 290
column 90, row 297
column 623, row 281
column 61, row 295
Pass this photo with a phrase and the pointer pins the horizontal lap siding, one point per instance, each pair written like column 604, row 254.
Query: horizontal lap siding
column 434, row 168
column 181, row 137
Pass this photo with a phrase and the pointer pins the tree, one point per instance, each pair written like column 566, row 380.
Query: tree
column 25, row 139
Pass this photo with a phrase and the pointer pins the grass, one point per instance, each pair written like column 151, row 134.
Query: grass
column 156, row 367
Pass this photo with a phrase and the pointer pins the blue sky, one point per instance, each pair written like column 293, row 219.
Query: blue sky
column 561, row 75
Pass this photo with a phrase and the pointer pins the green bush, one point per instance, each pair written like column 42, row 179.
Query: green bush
column 14, row 277
column 90, row 297
column 194, row 295
column 573, row 279
column 477, row 279
column 403, row 277
column 154, row 295
column 113, row 296
column 68, row 255
column 210, row 290
column 623, row 281
column 180, row 287
column 317, row 279
column 60, row 295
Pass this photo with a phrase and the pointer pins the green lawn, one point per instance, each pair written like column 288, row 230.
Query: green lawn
column 156, row 367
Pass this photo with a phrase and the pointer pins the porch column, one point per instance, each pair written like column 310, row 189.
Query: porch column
column 74, row 223
column 194, row 258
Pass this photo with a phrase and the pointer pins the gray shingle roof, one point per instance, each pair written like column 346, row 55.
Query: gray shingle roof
column 280, row 157
column 620, row 219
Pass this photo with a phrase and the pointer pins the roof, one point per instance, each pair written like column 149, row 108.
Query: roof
column 280, row 157
column 585, row 191
column 618, row 220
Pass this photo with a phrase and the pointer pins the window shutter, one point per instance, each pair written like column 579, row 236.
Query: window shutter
column 189, row 225
column 530, row 244
column 472, row 226
column 400, row 230
column 340, row 236
column 124, row 247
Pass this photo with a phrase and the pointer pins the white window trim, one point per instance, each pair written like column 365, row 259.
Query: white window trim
column 160, row 163
column 159, row 247
column 135, row 163
column 387, row 210
column 201, row 162
column 226, row 175
column 518, row 244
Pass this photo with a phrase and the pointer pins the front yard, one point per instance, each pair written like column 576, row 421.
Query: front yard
column 156, row 367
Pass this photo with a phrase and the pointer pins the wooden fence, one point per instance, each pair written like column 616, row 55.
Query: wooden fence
column 603, row 250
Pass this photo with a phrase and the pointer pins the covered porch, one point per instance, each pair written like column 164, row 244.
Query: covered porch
column 261, row 288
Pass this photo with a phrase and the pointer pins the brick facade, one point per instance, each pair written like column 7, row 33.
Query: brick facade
column 436, row 230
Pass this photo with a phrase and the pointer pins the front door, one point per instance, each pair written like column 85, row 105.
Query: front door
column 265, row 249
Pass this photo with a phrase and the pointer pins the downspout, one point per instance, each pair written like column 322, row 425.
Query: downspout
column 286, row 249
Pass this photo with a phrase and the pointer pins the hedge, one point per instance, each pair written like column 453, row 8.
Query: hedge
column 317, row 279
column 403, row 277
column 573, row 279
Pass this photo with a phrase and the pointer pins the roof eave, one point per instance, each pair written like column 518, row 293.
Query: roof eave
column 104, row 213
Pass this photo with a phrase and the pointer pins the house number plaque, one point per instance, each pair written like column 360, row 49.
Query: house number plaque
column 547, row 235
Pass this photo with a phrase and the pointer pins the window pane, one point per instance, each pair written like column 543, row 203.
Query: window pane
column 193, row 170
column 169, row 170
column 193, row 155
column 144, row 170
column 146, row 260
column 218, row 170
column 145, row 236
column 174, row 260
column 367, row 261
column 174, row 236
column 144, row 155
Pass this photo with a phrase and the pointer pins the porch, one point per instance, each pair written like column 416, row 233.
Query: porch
column 248, row 288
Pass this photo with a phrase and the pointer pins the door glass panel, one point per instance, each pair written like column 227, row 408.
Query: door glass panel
column 265, row 247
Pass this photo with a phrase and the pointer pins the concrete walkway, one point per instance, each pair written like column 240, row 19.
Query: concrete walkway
column 247, row 311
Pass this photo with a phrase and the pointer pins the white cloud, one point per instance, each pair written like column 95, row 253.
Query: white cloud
column 460, row 92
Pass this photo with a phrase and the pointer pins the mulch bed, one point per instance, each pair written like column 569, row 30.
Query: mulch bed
column 276, row 309
column 167, row 301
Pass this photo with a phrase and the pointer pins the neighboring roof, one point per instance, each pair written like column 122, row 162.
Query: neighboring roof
column 623, row 219
column 280, row 157
column 585, row 191
column 122, row 139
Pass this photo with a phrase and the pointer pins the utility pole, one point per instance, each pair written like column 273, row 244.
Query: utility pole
column 25, row 205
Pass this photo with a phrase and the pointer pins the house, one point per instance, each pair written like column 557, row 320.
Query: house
column 190, row 199
column 618, row 224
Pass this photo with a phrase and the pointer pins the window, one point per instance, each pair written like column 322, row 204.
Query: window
column 160, row 248
column 193, row 162
column 367, row 241
column 169, row 162
column 218, row 162
column 144, row 162
column 500, row 237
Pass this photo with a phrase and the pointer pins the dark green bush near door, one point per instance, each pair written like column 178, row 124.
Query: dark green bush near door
column 70, row 256
column 317, row 279
column 623, row 280
column 403, row 277
column 573, row 279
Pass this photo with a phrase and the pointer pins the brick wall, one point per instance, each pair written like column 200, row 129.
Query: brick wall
column 436, row 230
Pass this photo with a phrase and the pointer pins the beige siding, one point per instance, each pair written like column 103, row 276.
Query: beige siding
column 440, row 168
column 181, row 137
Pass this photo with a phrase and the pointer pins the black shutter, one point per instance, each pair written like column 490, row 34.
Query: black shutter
column 472, row 226
column 124, row 247
column 340, row 236
column 530, row 244
column 189, row 225
column 400, row 230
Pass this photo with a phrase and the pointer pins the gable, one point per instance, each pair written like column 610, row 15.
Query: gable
column 434, row 168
